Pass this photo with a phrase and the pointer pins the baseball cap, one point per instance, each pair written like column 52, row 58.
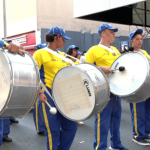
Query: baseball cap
column 133, row 33
column 72, row 47
column 41, row 45
column 79, row 53
column 7, row 40
column 1, row 43
column 106, row 26
column 57, row 30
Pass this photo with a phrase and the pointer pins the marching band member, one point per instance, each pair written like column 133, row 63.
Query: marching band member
column 60, row 131
column 104, row 55
column 140, row 112
column 37, row 113
column 73, row 51
column 4, row 130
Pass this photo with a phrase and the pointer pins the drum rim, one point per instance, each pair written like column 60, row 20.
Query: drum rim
column 55, row 100
column 145, row 77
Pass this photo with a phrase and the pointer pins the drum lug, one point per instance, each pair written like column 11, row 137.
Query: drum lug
column 23, row 55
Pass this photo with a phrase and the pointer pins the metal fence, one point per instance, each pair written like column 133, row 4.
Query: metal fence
column 87, row 40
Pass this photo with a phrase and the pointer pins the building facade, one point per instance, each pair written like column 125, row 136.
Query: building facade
column 30, row 16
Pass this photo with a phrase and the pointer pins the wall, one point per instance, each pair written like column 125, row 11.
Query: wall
column 20, row 15
column 87, row 40
column 60, row 13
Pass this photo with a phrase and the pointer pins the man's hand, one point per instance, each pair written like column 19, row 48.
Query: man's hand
column 42, row 96
column 105, row 70
column 14, row 48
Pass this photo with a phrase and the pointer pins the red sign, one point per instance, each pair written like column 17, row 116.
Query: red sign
column 25, row 39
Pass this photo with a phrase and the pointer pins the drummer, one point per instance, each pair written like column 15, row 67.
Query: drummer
column 73, row 51
column 37, row 110
column 140, row 112
column 60, row 131
column 5, row 131
column 104, row 55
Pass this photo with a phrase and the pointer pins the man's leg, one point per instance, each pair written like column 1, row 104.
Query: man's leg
column 67, row 134
column 102, row 124
column 138, row 122
column 115, row 123
column 38, row 121
column 52, row 123
column 6, row 130
column 147, row 120
column 1, row 131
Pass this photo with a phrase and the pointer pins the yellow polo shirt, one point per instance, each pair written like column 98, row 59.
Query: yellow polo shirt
column 101, row 57
column 146, row 54
column 48, row 65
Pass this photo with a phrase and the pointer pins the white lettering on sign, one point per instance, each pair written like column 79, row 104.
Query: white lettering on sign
column 21, row 39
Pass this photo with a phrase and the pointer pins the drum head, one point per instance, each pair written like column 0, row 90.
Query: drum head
column 124, row 83
column 73, row 93
column 4, row 80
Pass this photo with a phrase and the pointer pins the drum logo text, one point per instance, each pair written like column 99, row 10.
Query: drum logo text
column 86, row 83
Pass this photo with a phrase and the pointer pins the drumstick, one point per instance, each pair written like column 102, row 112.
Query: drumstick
column 120, row 69
column 73, row 57
column 22, row 51
column 53, row 110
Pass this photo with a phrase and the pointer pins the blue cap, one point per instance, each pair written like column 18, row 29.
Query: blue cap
column 106, row 26
column 79, row 53
column 39, row 46
column 72, row 47
column 57, row 30
column 1, row 43
column 133, row 33
column 7, row 40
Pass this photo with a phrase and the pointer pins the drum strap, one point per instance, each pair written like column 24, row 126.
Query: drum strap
column 108, row 49
column 58, row 55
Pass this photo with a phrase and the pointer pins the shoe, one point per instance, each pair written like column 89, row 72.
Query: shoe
column 41, row 133
column 14, row 120
column 7, row 139
column 147, row 139
column 142, row 142
column 80, row 123
column 110, row 148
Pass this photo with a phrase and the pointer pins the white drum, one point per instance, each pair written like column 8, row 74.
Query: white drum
column 19, row 84
column 80, row 91
column 132, row 84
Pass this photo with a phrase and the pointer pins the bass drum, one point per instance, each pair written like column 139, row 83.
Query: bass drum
column 80, row 91
column 19, row 84
column 132, row 84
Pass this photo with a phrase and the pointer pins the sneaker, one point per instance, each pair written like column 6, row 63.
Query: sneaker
column 7, row 139
column 14, row 120
column 123, row 148
column 147, row 139
column 41, row 133
column 80, row 123
column 142, row 142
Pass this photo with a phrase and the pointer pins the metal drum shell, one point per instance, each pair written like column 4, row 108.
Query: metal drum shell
column 102, row 92
column 24, row 84
column 141, row 94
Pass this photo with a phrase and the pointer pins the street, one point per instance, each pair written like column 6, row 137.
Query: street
column 24, row 135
